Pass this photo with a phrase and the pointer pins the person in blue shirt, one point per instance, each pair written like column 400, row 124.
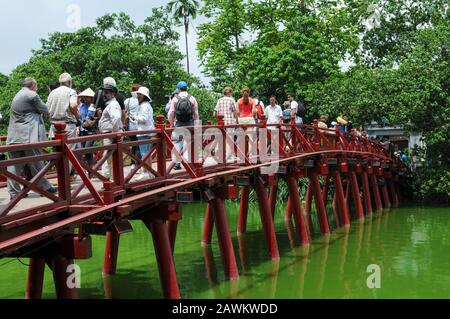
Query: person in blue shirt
column 87, row 110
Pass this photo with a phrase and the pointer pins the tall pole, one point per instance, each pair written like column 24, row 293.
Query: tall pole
column 186, row 28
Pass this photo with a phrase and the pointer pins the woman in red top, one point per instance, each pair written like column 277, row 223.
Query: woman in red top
column 246, row 108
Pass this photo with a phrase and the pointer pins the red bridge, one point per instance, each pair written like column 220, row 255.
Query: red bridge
column 56, row 229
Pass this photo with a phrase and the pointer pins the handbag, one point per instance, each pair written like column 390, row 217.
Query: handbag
column 90, row 124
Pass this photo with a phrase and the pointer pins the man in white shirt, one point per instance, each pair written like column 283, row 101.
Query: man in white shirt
column 63, row 107
column 110, row 122
column 295, row 108
column 273, row 113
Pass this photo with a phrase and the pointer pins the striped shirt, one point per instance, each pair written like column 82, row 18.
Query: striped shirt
column 226, row 106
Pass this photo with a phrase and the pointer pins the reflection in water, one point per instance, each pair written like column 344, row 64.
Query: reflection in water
column 211, row 271
column 108, row 286
column 409, row 244
column 300, row 266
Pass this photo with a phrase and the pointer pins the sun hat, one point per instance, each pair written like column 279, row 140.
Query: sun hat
column 87, row 93
column 145, row 92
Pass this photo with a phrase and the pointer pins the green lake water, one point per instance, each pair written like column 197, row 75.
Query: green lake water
column 410, row 245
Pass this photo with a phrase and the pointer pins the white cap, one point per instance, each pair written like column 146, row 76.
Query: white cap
column 145, row 92
column 65, row 77
column 109, row 81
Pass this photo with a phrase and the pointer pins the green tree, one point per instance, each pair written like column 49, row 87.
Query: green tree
column 389, row 29
column 184, row 10
column 3, row 79
column 273, row 46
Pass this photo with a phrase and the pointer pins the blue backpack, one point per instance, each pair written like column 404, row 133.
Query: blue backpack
column 286, row 116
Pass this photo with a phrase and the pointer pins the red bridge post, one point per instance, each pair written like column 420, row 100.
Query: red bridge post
column 308, row 204
column 35, row 279
column 356, row 194
column 321, row 211
column 164, row 257
column 393, row 193
column 59, row 265
column 62, row 165
column 387, row 201
column 296, row 208
column 243, row 209
column 366, row 193
column 273, row 199
column 266, row 219
column 112, row 236
column 224, row 238
column 209, row 225
column 340, row 198
column 288, row 222
column 172, row 225
column 117, row 161
column 376, row 192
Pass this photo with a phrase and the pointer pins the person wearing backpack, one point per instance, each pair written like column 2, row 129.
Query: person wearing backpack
column 297, row 109
column 183, row 112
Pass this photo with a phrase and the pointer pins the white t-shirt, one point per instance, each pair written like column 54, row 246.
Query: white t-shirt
column 111, row 120
column 273, row 114
column 298, row 119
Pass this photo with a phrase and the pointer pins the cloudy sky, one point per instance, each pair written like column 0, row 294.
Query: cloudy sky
column 24, row 22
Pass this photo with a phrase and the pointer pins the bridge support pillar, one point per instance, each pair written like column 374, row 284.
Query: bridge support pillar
column 60, row 265
column 384, row 189
column 366, row 193
column 356, row 195
column 308, row 203
column 296, row 208
column 224, row 238
column 164, row 257
column 376, row 192
column 273, row 199
column 326, row 187
column 289, row 226
column 35, row 279
column 172, row 225
column 321, row 211
column 111, row 252
column 340, row 199
column 288, row 222
column 266, row 219
column 209, row 225
column 394, row 193
column 243, row 210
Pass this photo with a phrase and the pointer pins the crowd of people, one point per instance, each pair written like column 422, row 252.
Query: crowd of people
column 106, row 111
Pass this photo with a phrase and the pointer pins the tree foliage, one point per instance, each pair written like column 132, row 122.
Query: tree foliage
column 272, row 46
